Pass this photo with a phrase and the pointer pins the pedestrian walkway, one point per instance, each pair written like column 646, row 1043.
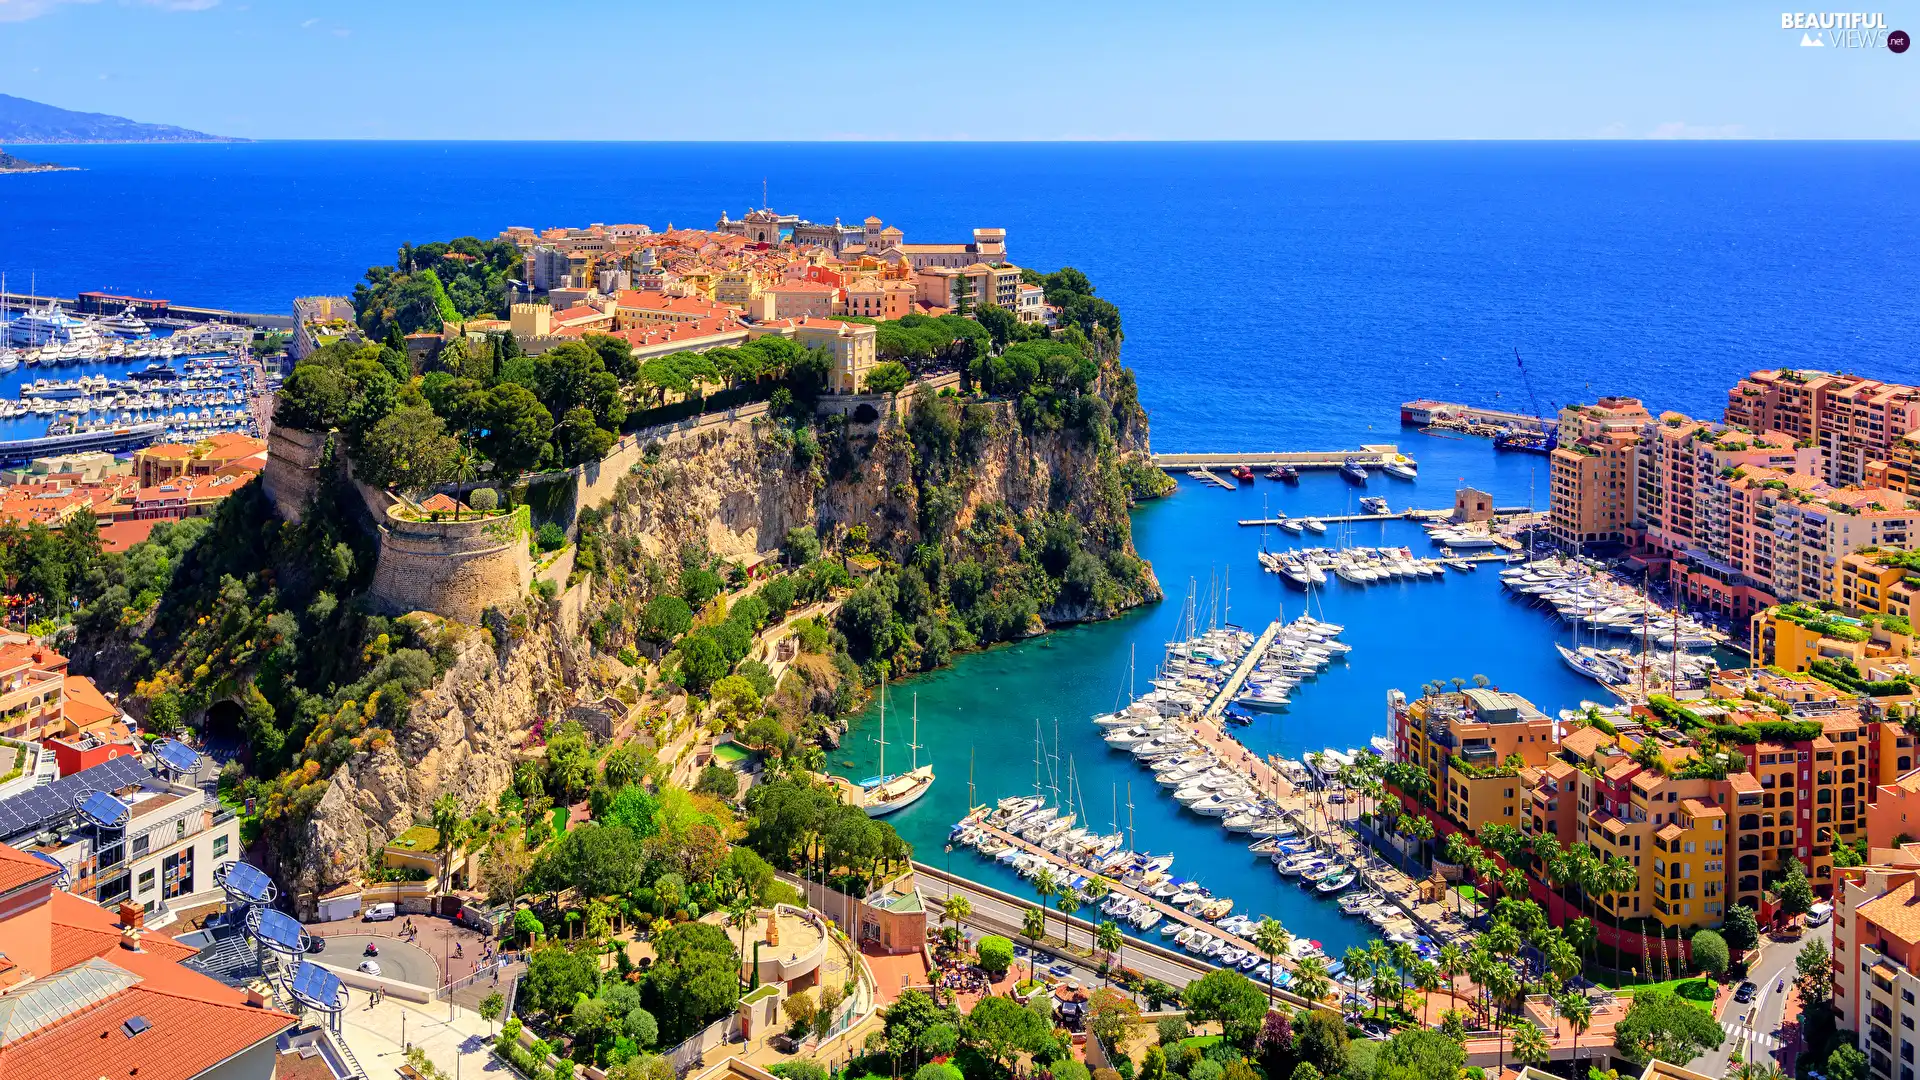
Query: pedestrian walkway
column 1737, row 1035
column 1241, row 670
column 454, row 1039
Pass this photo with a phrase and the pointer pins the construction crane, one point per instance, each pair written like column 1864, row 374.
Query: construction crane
column 1539, row 442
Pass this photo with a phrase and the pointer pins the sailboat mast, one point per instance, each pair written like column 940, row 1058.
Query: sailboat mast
column 914, row 744
column 1132, row 844
column 882, row 740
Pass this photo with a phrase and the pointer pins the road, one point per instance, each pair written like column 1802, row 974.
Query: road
column 1762, row 1039
column 993, row 915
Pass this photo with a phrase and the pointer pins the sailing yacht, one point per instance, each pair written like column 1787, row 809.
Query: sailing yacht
column 886, row 794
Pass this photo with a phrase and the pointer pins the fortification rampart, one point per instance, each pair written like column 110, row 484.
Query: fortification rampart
column 455, row 569
column 293, row 469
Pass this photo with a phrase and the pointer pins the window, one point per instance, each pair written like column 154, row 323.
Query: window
column 220, row 846
column 140, row 845
column 146, row 881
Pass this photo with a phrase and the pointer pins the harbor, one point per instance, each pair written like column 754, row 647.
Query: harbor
column 117, row 382
column 972, row 714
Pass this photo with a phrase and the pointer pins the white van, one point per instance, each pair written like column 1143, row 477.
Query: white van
column 1818, row 914
column 378, row 913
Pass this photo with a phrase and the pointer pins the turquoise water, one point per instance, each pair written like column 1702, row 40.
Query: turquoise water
column 983, row 709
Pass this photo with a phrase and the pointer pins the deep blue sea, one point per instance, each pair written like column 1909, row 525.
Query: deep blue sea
column 1274, row 296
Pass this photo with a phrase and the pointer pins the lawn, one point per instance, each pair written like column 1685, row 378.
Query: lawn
column 1200, row 1042
column 1673, row 985
column 559, row 820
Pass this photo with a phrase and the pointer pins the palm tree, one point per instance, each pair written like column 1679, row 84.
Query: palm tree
column 1426, row 978
column 1310, row 979
column 1562, row 959
column 1110, row 940
column 1529, row 1046
column 446, row 822
column 1581, row 935
column 1048, row 887
column 1068, row 903
column 1404, row 962
column 1033, row 927
column 1420, row 827
column 1359, row 966
column 956, row 908
column 1271, row 939
column 1577, row 1011
column 1504, row 986
column 1452, row 964
column 740, row 914
column 1098, row 889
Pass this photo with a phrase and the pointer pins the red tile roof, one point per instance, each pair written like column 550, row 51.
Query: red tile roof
column 185, row 1037
column 17, row 868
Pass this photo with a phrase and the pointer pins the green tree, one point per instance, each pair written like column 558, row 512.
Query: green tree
column 1793, row 891
column 701, row 662
column 518, row 428
column 889, row 377
column 1813, row 969
column 556, row 976
column 1420, row 1054
column 996, row 954
column 1710, row 952
column 1660, row 1024
column 1001, row 1027
column 1742, row 928
column 1846, row 1063
column 1233, row 1000
column 1320, row 1039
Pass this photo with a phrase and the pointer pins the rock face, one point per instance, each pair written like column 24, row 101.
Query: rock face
column 735, row 486
column 463, row 737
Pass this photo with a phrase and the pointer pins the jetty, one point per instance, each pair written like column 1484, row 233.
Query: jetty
column 1472, row 419
column 1212, row 478
column 1372, row 456
column 1073, row 870
column 1397, row 515
column 1241, row 670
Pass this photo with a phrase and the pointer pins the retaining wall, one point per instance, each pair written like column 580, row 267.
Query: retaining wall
column 293, row 469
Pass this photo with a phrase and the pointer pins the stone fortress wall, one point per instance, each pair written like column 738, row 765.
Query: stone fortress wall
column 455, row 569
column 293, row 469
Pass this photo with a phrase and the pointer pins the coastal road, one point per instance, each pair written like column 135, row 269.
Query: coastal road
column 1761, row 1040
column 994, row 915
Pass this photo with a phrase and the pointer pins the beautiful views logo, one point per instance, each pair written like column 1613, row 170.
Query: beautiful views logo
column 1844, row 30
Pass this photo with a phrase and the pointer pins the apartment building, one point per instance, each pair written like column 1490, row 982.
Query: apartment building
column 169, row 836
column 958, row 288
column 850, row 344
column 1593, row 479
column 1876, row 954
column 1900, row 471
column 1880, row 582
column 1703, row 830
column 1853, row 422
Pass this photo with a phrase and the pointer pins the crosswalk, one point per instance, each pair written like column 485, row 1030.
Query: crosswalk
column 1738, row 1036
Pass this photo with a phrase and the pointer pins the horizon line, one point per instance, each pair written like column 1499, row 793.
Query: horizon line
column 845, row 140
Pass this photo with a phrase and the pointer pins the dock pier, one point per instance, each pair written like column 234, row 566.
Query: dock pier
column 1372, row 456
column 1412, row 514
column 1212, row 478
column 1241, row 670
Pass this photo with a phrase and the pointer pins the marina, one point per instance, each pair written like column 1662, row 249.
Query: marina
column 117, row 382
column 1068, row 676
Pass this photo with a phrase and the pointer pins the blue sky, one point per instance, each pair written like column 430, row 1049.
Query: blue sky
column 482, row 69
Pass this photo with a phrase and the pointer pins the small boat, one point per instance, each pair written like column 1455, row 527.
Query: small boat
column 1243, row 474
column 1314, row 525
column 1335, row 883
column 1353, row 472
column 1401, row 467
column 1293, row 526
column 1274, row 473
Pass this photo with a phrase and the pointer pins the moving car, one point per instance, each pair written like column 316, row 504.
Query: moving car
column 1745, row 992
column 370, row 967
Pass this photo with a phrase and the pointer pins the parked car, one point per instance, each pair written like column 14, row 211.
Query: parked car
column 379, row 913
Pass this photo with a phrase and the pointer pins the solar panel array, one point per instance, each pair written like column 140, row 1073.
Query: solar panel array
column 42, row 807
column 176, row 756
column 247, row 881
column 316, row 986
column 105, row 810
column 280, row 930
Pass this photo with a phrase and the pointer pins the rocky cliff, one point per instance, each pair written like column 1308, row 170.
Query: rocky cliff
column 735, row 488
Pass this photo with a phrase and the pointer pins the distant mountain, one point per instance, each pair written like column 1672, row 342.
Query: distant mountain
column 23, row 121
